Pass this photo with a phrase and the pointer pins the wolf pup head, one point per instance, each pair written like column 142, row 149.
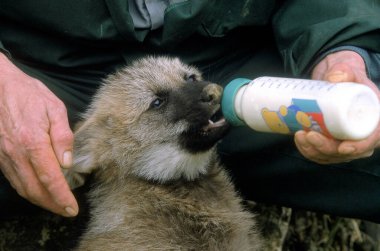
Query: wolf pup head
column 157, row 119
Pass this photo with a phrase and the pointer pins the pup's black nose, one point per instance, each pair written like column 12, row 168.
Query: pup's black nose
column 212, row 94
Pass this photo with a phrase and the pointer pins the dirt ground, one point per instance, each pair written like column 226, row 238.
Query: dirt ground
column 283, row 229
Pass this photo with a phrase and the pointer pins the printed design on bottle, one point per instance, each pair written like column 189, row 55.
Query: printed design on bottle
column 301, row 114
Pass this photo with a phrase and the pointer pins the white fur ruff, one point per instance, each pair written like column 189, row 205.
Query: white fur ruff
column 167, row 162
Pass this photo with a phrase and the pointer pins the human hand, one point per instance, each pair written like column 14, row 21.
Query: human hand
column 35, row 140
column 343, row 66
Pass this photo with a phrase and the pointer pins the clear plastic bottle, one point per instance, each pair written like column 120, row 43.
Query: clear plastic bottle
column 345, row 111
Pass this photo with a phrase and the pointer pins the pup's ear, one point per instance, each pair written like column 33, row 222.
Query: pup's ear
column 84, row 161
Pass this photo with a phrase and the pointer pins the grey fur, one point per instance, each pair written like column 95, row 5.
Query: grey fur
column 158, row 187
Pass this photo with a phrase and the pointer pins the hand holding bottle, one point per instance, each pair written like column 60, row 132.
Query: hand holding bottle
column 343, row 66
column 329, row 120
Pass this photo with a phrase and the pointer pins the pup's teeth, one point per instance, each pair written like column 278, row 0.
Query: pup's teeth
column 211, row 124
column 218, row 123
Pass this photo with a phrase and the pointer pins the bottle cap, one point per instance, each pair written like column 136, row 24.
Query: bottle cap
column 228, row 101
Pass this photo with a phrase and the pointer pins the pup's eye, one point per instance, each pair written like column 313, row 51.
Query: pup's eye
column 157, row 103
column 191, row 78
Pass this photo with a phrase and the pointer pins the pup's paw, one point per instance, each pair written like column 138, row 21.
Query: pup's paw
column 74, row 179
column 77, row 175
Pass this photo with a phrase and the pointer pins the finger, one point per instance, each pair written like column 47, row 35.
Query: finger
column 340, row 72
column 23, row 179
column 311, row 152
column 61, row 135
column 323, row 144
column 48, row 172
column 305, row 148
column 300, row 139
column 359, row 147
column 33, row 189
column 363, row 79
column 356, row 148
column 367, row 154
column 348, row 158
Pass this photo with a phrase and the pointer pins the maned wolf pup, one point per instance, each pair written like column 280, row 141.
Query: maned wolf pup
column 149, row 138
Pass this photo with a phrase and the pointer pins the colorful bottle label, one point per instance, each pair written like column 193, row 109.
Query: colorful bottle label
column 301, row 114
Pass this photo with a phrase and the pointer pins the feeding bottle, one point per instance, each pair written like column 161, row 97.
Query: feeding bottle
column 345, row 111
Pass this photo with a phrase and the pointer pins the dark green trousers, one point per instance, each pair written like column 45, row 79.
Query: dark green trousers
column 265, row 167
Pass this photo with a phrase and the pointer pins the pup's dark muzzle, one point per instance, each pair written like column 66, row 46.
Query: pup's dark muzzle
column 207, row 124
column 212, row 93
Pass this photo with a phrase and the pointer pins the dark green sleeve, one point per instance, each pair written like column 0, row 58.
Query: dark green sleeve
column 3, row 50
column 304, row 29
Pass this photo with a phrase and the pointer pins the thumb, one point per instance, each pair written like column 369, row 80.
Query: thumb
column 62, row 137
column 339, row 72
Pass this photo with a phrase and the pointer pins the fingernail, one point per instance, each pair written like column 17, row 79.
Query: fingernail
column 347, row 150
column 70, row 211
column 337, row 76
column 67, row 159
